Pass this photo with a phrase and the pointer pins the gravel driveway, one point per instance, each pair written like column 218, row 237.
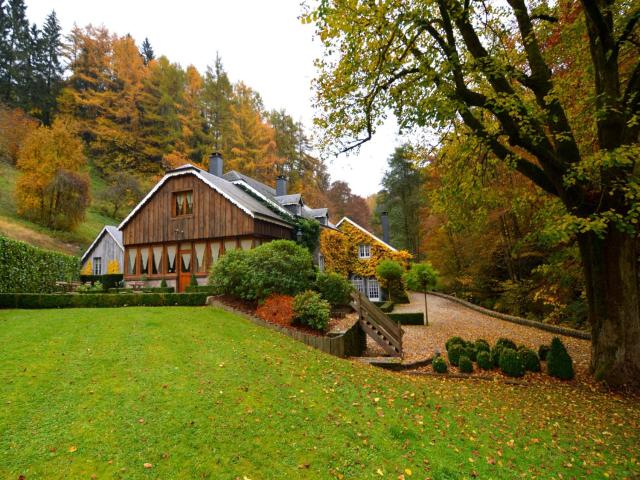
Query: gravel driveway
column 448, row 318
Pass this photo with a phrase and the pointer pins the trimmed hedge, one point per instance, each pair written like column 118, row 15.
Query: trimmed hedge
column 407, row 318
column 200, row 289
column 100, row 300
column 387, row 307
column 144, row 290
column 24, row 268
column 108, row 280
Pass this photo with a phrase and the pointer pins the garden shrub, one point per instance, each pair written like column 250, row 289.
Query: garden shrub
column 277, row 309
column 163, row 283
column 511, row 363
column 506, row 343
column 102, row 300
column 334, row 288
column 411, row 318
column 421, row 277
column 454, row 353
column 387, row 306
column 484, row 360
column 543, row 351
column 454, row 341
column 495, row 355
column 482, row 345
column 108, row 280
column 559, row 362
column 389, row 272
column 311, row 310
column 465, row 364
column 530, row 359
column 193, row 282
column 439, row 365
column 200, row 289
column 28, row 269
column 470, row 351
column 280, row 266
column 97, row 287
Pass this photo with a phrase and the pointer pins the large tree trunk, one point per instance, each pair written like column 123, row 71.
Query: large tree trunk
column 611, row 276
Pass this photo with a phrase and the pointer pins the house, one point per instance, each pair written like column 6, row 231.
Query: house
column 192, row 216
column 355, row 252
column 105, row 254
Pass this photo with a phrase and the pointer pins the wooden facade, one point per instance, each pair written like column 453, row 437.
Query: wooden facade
column 184, row 227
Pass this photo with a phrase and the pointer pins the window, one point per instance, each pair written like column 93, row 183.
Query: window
column 373, row 289
column 200, row 249
column 131, row 264
column 144, row 261
column 182, row 203
column 171, row 259
column 156, row 260
column 97, row 265
column 364, row 251
column 358, row 284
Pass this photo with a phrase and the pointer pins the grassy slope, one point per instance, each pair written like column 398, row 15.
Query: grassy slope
column 200, row 393
column 18, row 228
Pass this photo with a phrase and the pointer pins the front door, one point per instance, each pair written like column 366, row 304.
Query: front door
column 185, row 265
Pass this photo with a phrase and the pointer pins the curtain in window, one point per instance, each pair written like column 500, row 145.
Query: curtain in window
column 157, row 258
column 171, row 257
column 215, row 251
column 186, row 262
column 189, row 203
column 144, row 256
column 230, row 245
column 132, row 260
column 246, row 243
column 200, row 256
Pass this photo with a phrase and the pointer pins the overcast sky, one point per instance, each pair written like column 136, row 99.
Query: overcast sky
column 261, row 43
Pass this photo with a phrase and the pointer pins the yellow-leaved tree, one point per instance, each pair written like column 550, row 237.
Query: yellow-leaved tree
column 53, row 187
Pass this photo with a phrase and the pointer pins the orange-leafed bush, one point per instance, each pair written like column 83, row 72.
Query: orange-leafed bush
column 277, row 309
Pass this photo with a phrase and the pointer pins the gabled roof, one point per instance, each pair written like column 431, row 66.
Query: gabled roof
column 113, row 231
column 264, row 189
column 364, row 230
column 318, row 212
column 236, row 195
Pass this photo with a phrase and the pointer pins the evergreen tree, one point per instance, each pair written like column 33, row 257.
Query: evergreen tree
column 6, row 54
column 18, row 42
column 51, row 68
column 401, row 198
column 147, row 51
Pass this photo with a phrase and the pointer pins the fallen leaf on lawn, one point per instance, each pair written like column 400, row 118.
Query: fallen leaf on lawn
column 380, row 472
column 148, row 465
column 141, row 420
column 408, row 471
column 72, row 448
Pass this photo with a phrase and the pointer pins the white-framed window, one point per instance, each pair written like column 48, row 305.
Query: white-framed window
column 97, row 265
column 321, row 262
column 373, row 289
column 364, row 251
column 358, row 284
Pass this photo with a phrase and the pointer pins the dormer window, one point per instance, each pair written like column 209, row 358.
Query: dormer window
column 364, row 251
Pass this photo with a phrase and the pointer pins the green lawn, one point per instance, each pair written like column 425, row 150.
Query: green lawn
column 200, row 393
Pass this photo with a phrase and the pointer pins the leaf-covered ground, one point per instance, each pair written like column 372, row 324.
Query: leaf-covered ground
column 201, row 393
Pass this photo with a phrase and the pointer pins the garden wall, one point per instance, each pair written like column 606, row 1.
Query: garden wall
column 27, row 269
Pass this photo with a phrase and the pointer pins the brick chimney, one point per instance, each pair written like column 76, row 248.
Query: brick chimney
column 384, row 220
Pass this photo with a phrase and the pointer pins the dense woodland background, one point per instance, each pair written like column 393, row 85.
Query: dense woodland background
column 89, row 120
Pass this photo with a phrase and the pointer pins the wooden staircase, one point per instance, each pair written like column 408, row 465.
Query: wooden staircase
column 385, row 332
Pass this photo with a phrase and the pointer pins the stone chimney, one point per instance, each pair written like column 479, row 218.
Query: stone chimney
column 281, row 185
column 384, row 221
column 216, row 164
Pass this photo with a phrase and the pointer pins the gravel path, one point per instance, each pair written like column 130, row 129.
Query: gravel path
column 447, row 318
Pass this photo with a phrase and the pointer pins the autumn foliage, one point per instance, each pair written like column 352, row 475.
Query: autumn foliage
column 277, row 309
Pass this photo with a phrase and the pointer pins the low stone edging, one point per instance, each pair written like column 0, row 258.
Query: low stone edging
column 569, row 332
column 351, row 343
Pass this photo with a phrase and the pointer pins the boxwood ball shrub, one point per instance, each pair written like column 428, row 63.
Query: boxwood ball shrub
column 465, row 364
column 511, row 363
column 482, row 345
column 454, row 353
column 506, row 343
column 470, row 351
column 543, row 350
column 439, row 365
column 495, row 355
column 311, row 310
column 334, row 288
column 454, row 341
column 484, row 360
column 559, row 362
column 530, row 359
column 281, row 266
